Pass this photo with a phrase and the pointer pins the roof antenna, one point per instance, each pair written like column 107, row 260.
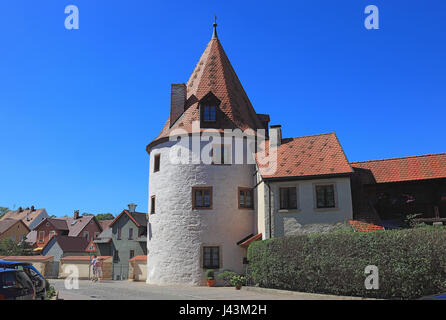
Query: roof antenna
column 214, row 35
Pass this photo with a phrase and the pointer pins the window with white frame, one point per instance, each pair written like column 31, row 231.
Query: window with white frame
column 41, row 236
column 51, row 234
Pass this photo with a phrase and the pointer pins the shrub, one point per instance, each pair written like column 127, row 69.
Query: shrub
column 238, row 281
column 226, row 276
column 209, row 274
column 51, row 292
column 411, row 263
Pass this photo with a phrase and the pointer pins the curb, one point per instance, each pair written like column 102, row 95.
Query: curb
column 303, row 295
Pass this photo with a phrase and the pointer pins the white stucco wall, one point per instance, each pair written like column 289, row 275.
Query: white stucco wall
column 177, row 233
column 307, row 218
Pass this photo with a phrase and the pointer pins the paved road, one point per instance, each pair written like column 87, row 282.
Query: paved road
column 127, row 290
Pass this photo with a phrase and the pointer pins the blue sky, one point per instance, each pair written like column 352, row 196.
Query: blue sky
column 78, row 107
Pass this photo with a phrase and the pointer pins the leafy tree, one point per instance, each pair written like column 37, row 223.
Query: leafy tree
column 104, row 216
column 11, row 248
column 3, row 210
column 86, row 214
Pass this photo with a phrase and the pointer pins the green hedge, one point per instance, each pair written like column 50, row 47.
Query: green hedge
column 411, row 263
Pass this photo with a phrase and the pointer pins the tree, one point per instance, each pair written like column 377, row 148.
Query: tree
column 11, row 248
column 3, row 210
column 86, row 214
column 105, row 216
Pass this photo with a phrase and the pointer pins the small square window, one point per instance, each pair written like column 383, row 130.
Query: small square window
column 288, row 198
column 325, row 196
column 202, row 197
column 245, row 198
column 209, row 113
column 211, row 257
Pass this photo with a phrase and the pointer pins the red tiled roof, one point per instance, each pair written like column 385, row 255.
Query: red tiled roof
column 361, row 226
column 83, row 258
column 105, row 223
column 28, row 258
column 139, row 218
column 76, row 226
column 305, row 156
column 214, row 73
column 6, row 224
column 70, row 244
column 139, row 258
column 431, row 166
column 27, row 216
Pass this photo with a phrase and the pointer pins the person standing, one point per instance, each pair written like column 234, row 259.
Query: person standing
column 98, row 267
column 93, row 263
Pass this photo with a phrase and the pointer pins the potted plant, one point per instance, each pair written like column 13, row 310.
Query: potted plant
column 238, row 281
column 210, row 280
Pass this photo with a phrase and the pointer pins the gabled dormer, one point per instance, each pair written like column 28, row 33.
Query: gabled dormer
column 210, row 112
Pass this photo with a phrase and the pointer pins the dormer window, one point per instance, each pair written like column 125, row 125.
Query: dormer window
column 209, row 113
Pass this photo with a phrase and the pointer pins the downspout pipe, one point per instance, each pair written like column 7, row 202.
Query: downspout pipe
column 269, row 209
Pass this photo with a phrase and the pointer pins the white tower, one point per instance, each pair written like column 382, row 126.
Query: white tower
column 199, row 212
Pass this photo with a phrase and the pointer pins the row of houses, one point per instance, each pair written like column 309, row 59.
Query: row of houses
column 123, row 238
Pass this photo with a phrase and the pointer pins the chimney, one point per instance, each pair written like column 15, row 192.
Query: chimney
column 76, row 214
column 177, row 101
column 33, row 208
column 132, row 207
column 275, row 136
column 20, row 209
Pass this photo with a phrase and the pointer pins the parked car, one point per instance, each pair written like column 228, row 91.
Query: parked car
column 16, row 285
column 39, row 281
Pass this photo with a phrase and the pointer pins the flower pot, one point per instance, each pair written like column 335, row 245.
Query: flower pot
column 210, row 283
column 238, row 287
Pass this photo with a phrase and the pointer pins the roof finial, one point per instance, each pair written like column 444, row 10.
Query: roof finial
column 214, row 35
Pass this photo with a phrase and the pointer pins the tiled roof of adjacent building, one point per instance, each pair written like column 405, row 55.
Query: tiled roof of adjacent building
column 83, row 258
column 139, row 258
column 75, row 226
column 26, row 215
column 305, row 157
column 6, row 224
column 431, row 166
column 139, row 218
column 214, row 73
column 361, row 226
column 71, row 244
column 105, row 223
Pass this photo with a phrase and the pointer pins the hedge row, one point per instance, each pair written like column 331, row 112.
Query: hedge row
column 411, row 263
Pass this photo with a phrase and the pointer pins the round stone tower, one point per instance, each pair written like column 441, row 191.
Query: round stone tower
column 201, row 196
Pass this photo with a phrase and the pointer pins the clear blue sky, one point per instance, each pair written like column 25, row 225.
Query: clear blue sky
column 78, row 107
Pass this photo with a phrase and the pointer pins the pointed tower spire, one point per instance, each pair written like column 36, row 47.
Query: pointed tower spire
column 214, row 34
